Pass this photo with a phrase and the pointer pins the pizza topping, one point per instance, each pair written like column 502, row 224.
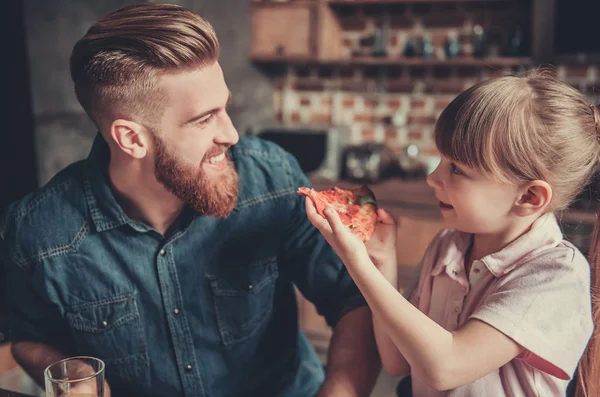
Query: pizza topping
column 356, row 208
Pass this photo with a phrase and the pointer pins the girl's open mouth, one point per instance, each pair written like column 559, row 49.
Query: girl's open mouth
column 444, row 206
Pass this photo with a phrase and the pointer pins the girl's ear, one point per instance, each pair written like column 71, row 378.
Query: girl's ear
column 533, row 198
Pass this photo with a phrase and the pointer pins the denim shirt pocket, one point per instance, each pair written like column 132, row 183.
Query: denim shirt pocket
column 111, row 329
column 244, row 299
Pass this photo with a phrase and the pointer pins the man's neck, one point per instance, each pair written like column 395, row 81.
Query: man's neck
column 142, row 197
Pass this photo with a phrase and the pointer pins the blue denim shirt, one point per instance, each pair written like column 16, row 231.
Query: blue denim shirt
column 208, row 310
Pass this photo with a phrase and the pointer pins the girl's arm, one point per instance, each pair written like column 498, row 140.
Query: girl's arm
column 441, row 359
column 392, row 360
column 382, row 251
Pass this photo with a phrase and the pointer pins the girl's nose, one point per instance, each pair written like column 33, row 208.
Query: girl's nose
column 433, row 178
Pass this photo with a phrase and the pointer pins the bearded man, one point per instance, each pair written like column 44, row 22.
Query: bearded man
column 173, row 251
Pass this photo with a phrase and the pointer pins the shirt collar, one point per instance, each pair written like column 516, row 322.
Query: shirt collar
column 453, row 252
column 543, row 234
column 105, row 211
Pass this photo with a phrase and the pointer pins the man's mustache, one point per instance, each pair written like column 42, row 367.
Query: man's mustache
column 216, row 150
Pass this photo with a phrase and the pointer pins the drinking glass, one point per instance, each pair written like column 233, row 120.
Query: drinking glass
column 75, row 377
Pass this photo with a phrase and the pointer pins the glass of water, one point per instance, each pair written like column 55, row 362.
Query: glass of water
column 75, row 377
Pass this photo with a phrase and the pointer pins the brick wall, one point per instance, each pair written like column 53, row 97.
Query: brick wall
column 404, row 111
column 398, row 104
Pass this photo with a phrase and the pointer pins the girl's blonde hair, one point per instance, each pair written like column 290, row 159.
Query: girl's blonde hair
column 533, row 127
column 524, row 128
column 116, row 65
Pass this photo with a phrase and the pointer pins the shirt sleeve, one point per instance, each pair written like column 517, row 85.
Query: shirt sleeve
column 312, row 264
column 545, row 307
column 30, row 316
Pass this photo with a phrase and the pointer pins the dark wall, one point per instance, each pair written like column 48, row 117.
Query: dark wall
column 17, row 156
column 62, row 130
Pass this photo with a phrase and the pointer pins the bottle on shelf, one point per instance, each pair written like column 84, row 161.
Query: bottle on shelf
column 410, row 47
column 427, row 49
column 380, row 37
column 452, row 46
column 478, row 42
column 515, row 44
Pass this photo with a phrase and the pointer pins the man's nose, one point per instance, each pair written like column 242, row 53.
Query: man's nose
column 228, row 134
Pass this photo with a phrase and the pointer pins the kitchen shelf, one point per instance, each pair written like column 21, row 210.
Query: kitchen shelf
column 376, row 61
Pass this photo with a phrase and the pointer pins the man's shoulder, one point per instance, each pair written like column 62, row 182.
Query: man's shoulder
column 258, row 149
column 47, row 220
column 266, row 171
column 258, row 158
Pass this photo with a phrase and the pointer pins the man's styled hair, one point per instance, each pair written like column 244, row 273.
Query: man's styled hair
column 116, row 65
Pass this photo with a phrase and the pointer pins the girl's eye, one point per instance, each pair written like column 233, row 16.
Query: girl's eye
column 455, row 170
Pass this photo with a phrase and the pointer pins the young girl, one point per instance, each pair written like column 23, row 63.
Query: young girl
column 502, row 307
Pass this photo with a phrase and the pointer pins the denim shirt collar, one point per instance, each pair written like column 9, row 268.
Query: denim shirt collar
column 104, row 209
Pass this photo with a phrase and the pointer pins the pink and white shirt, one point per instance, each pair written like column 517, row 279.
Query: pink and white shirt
column 536, row 290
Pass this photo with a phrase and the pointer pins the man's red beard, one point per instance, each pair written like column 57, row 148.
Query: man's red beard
column 214, row 196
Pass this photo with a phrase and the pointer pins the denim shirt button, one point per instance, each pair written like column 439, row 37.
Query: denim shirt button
column 105, row 323
column 250, row 286
column 176, row 311
column 188, row 368
column 162, row 252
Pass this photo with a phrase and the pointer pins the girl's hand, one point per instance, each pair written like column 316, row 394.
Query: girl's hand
column 382, row 246
column 348, row 246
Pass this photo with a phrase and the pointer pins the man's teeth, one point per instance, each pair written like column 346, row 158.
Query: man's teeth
column 216, row 159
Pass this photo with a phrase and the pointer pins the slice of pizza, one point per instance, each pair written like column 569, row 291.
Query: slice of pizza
column 357, row 208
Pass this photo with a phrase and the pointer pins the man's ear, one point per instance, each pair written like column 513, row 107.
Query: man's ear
column 533, row 198
column 132, row 138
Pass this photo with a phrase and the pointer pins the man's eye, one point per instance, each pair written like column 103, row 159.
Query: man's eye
column 205, row 120
column 455, row 170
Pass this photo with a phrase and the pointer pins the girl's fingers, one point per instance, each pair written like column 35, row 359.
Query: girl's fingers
column 334, row 221
column 311, row 212
column 384, row 217
column 317, row 220
column 309, row 205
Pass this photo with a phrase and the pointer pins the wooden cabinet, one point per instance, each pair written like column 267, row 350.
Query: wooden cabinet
column 294, row 30
column 318, row 31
